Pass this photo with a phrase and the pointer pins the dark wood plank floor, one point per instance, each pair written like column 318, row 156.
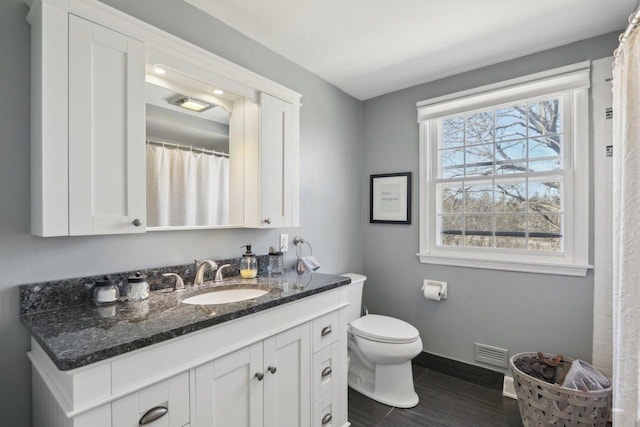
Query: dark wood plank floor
column 444, row 402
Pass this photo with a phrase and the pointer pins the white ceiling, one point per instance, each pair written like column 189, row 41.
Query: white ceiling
column 372, row 47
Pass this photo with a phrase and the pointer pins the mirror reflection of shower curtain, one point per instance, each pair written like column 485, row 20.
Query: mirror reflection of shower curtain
column 186, row 188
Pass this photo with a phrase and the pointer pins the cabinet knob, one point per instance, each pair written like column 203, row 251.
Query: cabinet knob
column 326, row 330
column 272, row 369
column 326, row 371
column 136, row 222
column 326, row 419
column 153, row 414
column 259, row 376
column 267, row 221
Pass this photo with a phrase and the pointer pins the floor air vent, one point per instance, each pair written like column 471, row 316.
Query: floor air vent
column 492, row 355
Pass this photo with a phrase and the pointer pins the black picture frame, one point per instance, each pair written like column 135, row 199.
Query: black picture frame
column 390, row 198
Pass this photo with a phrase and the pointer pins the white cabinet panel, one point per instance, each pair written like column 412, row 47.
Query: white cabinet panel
column 106, row 130
column 279, row 141
column 227, row 391
column 287, row 398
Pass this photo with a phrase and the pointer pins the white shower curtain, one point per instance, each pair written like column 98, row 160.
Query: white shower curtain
column 186, row 188
column 626, row 229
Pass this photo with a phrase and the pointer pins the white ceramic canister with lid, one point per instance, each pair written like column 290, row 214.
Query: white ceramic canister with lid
column 137, row 287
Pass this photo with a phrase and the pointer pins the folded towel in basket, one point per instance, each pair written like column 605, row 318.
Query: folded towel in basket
column 307, row 263
column 582, row 376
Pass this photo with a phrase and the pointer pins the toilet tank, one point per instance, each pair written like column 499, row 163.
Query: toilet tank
column 354, row 296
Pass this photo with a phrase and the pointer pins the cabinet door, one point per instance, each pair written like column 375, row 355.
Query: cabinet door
column 278, row 162
column 106, row 131
column 165, row 404
column 287, row 398
column 227, row 391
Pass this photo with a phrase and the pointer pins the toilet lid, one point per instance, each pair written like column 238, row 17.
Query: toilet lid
column 384, row 329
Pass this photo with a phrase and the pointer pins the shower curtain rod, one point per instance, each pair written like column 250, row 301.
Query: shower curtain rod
column 177, row 145
column 634, row 20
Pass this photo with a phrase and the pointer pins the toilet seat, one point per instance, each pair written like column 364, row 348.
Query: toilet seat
column 384, row 329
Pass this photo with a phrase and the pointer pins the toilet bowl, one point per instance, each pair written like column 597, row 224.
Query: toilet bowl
column 380, row 353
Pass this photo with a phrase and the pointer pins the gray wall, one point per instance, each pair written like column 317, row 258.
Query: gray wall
column 331, row 165
column 517, row 311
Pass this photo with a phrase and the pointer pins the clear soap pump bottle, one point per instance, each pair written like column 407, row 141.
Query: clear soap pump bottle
column 248, row 264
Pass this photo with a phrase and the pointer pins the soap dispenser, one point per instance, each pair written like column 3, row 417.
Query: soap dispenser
column 248, row 264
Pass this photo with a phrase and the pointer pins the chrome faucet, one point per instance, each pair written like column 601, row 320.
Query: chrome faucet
column 200, row 267
column 219, row 277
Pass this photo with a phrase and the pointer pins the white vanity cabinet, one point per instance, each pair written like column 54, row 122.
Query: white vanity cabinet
column 88, row 173
column 282, row 367
column 265, row 384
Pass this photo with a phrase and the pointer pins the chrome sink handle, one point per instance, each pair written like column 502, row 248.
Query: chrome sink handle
column 219, row 277
column 200, row 267
column 179, row 284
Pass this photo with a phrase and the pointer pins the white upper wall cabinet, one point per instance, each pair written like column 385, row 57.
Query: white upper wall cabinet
column 106, row 130
column 88, row 175
column 274, row 173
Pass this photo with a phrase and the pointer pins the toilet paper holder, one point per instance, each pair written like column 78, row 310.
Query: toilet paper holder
column 441, row 285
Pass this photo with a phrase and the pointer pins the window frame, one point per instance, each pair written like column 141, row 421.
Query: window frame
column 572, row 80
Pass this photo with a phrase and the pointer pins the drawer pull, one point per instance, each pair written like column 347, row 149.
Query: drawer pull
column 272, row 369
column 326, row 331
column 136, row 222
column 259, row 376
column 153, row 414
column 326, row 419
column 326, row 371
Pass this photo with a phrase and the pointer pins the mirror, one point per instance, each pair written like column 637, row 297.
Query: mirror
column 194, row 160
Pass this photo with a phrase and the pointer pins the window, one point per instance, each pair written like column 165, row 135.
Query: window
column 504, row 175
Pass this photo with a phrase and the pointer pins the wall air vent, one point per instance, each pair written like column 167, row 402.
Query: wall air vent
column 492, row 355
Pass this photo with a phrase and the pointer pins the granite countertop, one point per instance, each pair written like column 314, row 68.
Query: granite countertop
column 79, row 335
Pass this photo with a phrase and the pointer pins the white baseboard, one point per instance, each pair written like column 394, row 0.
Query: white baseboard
column 508, row 390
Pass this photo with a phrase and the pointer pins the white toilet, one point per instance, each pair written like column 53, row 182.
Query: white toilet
column 380, row 352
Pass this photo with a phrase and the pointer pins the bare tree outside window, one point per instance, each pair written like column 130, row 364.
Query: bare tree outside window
column 500, row 183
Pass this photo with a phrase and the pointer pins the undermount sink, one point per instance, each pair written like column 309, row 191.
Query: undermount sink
column 225, row 296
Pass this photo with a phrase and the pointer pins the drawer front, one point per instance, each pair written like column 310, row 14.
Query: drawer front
column 325, row 375
column 326, row 330
column 326, row 412
column 165, row 404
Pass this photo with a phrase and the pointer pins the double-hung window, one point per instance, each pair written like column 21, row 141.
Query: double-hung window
column 504, row 175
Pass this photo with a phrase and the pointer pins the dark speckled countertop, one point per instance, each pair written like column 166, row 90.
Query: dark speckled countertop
column 78, row 335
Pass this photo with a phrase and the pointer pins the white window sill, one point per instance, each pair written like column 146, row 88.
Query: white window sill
column 540, row 267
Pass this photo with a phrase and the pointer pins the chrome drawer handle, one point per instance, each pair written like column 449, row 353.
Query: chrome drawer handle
column 326, row 330
column 153, row 414
column 259, row 376
column 326, row 371
column 326, row 419
column 272, row 369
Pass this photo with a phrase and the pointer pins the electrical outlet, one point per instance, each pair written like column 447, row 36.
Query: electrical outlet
column 284, row 242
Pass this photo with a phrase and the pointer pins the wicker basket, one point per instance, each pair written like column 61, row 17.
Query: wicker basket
column 542, row 404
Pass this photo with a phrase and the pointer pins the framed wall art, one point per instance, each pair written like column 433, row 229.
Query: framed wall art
column 390, row 198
